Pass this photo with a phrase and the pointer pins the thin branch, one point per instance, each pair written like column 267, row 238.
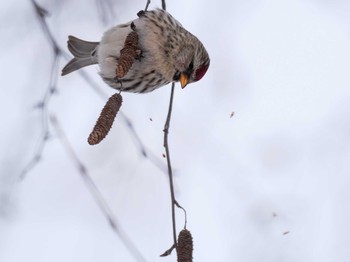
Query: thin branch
column 149, row 1
column 168, row 252
column 178, row 205
column 147, row 4
column 50, row 90
column 42, row 13
column 91, row 186
column 170, row 172
column 163, row 5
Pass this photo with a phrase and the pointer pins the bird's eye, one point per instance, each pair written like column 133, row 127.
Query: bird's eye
column 190, row 66
column 176, row 76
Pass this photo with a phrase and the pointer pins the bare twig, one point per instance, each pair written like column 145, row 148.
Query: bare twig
column 174, row 203
column 147, row 4
column 170, row 172
column 51, row 89
column 178, row 205
column 101, row 202
column 41, row 14
column 168, row 252
column 163, row 5
column 149, row 1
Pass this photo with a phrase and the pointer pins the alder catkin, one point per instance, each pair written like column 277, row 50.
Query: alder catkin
column 184, row 246
column 128, row 54
column 105, row 120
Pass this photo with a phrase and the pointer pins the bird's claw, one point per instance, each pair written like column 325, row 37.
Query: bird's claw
column 141, row 13
column 139, row 55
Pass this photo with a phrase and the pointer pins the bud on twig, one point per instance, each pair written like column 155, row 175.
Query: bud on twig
column 106, row 119
column 184, row 246
column 128, row 54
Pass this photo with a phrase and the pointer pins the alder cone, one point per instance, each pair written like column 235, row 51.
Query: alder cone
column 106, row 119
column 184, row 246
column 127, row 55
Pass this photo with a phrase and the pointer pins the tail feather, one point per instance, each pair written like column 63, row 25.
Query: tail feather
column 84, row 53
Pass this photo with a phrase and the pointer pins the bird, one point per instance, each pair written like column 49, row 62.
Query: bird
column 165, row 52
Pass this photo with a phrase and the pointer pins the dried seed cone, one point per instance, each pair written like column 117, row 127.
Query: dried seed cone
column 106, row 119
column 184, row 246
column 127, row 55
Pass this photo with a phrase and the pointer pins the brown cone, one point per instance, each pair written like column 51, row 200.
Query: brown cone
column 184, row 246
column 106, row 119
column 127, row 55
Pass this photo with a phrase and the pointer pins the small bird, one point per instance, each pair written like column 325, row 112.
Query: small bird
column 165, row 52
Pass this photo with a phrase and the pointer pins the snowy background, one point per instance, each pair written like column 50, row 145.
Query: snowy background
column 269, row 184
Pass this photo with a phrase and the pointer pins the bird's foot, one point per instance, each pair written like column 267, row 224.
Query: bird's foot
column 139, row 55
column 141, row 13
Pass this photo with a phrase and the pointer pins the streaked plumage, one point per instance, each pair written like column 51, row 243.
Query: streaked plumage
column 169, row 53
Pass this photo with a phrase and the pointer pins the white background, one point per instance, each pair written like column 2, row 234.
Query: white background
column 269, row 184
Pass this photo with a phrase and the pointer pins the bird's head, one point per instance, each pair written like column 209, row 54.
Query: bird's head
column 191, row 63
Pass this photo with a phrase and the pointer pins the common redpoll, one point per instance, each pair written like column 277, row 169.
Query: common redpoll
column 165, row 52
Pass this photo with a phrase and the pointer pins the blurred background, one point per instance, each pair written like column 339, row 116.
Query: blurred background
column 260, row 146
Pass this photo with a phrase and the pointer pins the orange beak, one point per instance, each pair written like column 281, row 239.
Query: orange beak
column 183, row 80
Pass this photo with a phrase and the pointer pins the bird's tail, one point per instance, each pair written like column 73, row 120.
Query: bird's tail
column 84, row 52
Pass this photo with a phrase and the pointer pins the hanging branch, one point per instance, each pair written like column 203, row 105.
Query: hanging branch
column 185, row 247
column 167, row 152
column 174, row 203
column 91, row 186
column 170, row 172
column 163, row 5
column 147, row 4
column 149, row 1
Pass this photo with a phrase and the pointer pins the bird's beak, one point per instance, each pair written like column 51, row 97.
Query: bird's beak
column 183, row 80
